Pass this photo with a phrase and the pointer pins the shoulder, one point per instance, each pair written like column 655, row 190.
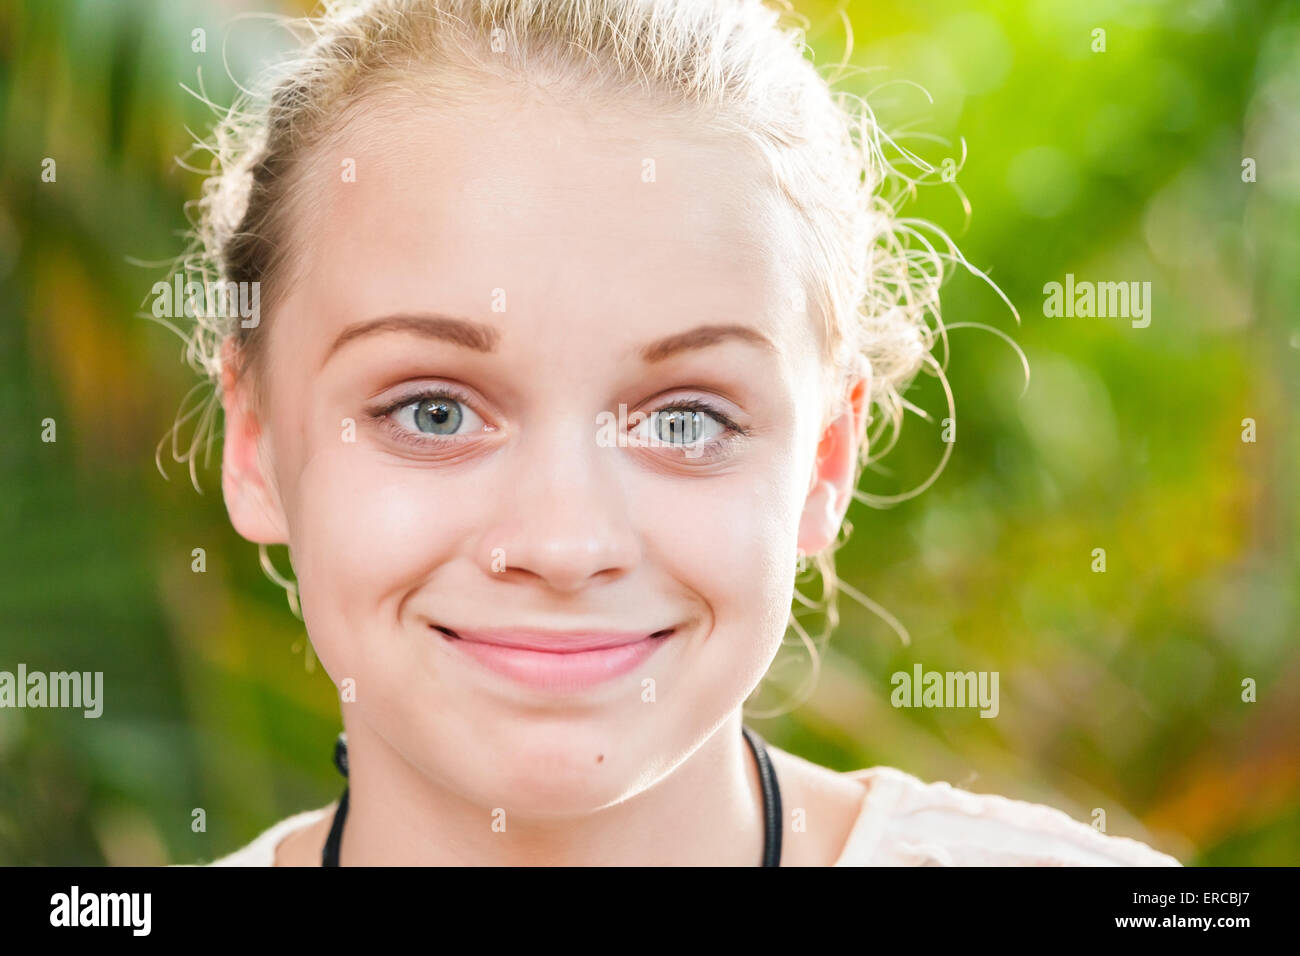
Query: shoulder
column 821, row 807
column 907, row 822
column 261, row 851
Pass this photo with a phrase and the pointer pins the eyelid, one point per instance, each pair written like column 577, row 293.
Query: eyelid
column 382, row 414
column 702, row 405
column 710, row 451
column 424, row 390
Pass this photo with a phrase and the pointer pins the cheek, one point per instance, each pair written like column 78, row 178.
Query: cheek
column 732, row 540
column 364, row 536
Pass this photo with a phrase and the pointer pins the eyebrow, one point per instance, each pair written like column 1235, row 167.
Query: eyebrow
column 447, row 328
column 483, row 338
column 701, row 337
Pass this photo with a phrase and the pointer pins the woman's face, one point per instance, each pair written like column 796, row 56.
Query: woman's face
column 451, row 442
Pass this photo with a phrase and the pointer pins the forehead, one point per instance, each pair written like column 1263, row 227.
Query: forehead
column 587, row 215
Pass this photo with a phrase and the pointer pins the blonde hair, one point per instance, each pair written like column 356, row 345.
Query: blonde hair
column 873, row 275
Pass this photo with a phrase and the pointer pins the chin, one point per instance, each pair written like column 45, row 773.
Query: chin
column 548, row 771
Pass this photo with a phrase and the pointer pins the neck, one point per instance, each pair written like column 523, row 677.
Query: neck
column 708, row 811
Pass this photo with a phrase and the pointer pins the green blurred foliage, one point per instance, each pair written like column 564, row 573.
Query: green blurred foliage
column 1120, row 690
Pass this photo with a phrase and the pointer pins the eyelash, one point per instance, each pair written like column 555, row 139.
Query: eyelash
column 720, row 445
column 383, row 416
column 732, row 433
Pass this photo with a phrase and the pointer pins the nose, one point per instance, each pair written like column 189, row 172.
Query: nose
column 564, row 520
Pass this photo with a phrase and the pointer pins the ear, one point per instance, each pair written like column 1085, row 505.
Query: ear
column 830, row 489
column 251, row 500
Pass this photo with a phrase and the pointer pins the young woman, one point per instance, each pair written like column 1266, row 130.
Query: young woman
column 575, row 319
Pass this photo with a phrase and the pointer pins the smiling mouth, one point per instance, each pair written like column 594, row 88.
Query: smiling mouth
column 553, row 642
column 558, row 662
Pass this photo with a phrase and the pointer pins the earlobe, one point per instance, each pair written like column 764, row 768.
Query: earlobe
column 253, row 506
column 821, row 519
column 831, row 485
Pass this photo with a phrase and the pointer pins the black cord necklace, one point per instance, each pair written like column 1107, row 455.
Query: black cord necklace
column 766, row 776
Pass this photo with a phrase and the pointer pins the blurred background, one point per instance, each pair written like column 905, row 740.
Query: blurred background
column 1120, row 691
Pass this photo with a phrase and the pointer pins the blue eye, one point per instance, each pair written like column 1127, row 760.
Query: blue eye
column 678, row 425
column 436, row 415
column 685, row 424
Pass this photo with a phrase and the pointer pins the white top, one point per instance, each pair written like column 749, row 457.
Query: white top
column 904, row 822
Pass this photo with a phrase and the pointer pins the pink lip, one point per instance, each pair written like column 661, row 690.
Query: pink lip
column 557, row 661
